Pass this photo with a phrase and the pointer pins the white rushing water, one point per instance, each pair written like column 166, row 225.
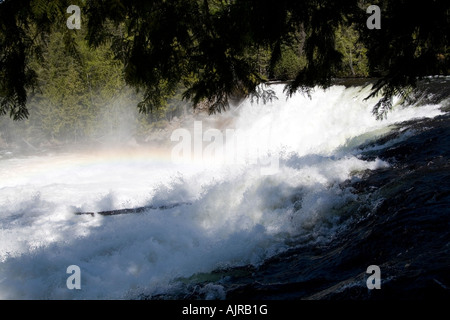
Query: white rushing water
column 229, row 214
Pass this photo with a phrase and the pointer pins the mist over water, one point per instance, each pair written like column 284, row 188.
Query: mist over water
column 203, row 213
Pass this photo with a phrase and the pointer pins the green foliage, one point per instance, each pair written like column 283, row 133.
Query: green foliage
column 79, row 97
column 354, row 62
column 72, row 88
column 24, row 26
column 288, row 66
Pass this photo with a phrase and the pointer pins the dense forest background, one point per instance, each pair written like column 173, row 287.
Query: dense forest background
column 133, row 67
column 85, row 97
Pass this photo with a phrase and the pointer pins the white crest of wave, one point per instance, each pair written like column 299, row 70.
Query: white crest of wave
column 227, row 215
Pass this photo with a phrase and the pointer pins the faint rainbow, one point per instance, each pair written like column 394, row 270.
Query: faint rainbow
column 23, row 169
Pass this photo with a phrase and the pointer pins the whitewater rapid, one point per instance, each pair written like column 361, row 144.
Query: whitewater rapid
column 226, row 214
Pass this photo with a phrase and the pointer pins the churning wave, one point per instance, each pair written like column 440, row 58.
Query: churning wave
column 344, row 191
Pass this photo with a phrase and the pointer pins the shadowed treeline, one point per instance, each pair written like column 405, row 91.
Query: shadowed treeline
column 210, row 50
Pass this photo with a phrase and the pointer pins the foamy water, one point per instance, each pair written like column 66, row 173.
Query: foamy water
column 228, row 214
